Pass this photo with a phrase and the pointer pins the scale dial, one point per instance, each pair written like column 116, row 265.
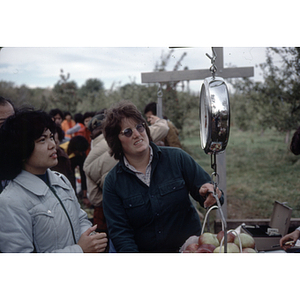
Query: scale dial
column 214, row 114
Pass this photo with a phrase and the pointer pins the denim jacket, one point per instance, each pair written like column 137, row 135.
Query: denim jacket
column 158, row 218
column 32, row 218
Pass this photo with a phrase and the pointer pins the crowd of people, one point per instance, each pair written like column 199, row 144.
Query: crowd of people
column 41, row 156
column 133, row 173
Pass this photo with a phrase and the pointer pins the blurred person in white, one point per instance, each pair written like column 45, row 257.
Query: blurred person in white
column 96, row 166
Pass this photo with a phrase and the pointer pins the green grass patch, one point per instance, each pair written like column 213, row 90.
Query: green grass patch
column 260, row 169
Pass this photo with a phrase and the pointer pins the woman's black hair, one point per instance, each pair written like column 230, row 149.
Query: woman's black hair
column 60, row 132
column 78, row 144
column 78, row 118
column 56, row 111
column 17, row 139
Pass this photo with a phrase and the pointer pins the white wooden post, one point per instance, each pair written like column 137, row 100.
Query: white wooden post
column 187, row 75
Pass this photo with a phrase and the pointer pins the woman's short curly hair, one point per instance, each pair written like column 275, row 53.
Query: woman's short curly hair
column 112, row 125
column 17, row 139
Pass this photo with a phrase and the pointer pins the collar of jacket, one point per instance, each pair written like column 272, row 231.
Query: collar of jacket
column 29, row 181
column 156, row 155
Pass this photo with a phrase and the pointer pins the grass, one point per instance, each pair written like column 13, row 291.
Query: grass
column 260, row 169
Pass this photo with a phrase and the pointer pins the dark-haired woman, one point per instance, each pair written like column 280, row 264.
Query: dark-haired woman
column 39, row 211
column 146, row 195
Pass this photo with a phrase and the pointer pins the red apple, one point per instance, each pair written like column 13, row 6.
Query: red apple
column 247, row 240
column 192, row 247
column 208, row 238
column 231, row 248
column 230, row 236
column 206, row 248
column 248, row 250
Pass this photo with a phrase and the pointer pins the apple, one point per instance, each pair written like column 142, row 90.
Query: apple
column 208, row 238
column 206, row 248
column 247, row 240
column 191, row 248
column 248, row 250
column 230, row 236
column 231, row 248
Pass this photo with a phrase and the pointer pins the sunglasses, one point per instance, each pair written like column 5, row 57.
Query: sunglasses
column 128, row 131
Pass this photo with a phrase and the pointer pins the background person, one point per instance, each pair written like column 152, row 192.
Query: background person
column 64, row 164
column 87, row 133
column 146, row 195
column 79, row 128
column 67, row 123
column 172, row 138
column 295, row 235
column 57, row 115
column 6, row 109
column 96, row 166
column 39, row 211
column 76, row 151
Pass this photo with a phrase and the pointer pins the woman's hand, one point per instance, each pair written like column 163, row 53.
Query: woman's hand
column 293, row 236
column 93, row 243
column 207, row 191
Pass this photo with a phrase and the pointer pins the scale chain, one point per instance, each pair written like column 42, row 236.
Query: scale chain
column 213, row 69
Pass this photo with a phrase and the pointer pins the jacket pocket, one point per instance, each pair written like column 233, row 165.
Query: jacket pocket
column 171, row 187
column 44, row 231
column 42, row 214
column 138, row 211
column 134, row 201
column 174, row 196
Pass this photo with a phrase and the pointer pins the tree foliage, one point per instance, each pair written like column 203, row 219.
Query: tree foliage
column 275, row 102
column 173, row 107
column 65, row 93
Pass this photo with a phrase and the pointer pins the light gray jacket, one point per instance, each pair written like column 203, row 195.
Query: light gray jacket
column 32, row 218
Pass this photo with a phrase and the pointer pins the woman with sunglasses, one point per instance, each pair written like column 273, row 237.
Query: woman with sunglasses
column 39, row 211
column 146, row 195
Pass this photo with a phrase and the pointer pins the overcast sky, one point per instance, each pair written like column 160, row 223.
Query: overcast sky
column 40, row 66
column 117, row 41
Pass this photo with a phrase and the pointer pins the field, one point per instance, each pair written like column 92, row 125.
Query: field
column 260, row 169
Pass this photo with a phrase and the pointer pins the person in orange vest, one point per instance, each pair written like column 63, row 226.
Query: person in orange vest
column 79, row 128
column 67, row 123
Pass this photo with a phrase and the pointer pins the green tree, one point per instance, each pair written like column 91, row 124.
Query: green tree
column 91, row 87
column 91, row 96
column 8, row 90
column 276, row 101
column 173, row 109
column 138, row 94
column 65, row 94
column 25, row 96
